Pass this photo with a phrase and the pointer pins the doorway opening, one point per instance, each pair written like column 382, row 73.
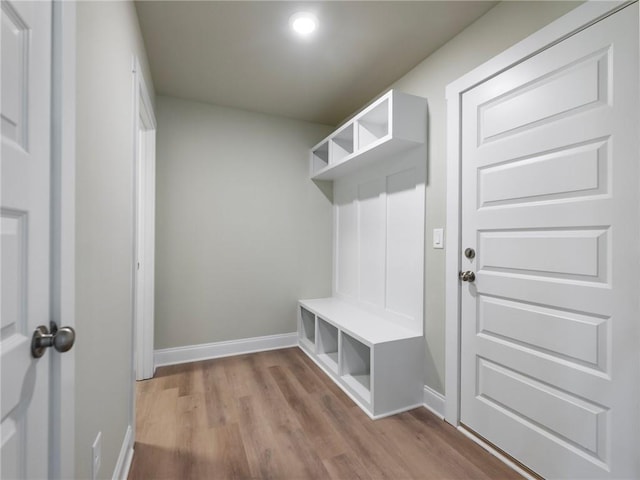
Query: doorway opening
column 144, row 227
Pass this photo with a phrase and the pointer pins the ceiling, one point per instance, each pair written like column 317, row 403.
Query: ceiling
column 242, row 53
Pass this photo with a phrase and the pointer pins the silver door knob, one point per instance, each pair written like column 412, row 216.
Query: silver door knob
column 467, row 276
column 62, row 339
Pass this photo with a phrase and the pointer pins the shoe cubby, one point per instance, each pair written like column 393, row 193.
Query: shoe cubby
column 307, row 329
column 327, row 344
column 356, row 366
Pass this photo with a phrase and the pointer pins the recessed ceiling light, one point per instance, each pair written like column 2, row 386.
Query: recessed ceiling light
column 303, row 23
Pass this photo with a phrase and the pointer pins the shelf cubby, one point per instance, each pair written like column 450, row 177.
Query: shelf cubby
column 342, row 144
column 320, row 157
column 356, row 366
column 307, row 328
column 373, row 125
column 327, row 344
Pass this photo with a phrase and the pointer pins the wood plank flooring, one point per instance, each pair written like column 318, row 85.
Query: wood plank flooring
column 276, row 415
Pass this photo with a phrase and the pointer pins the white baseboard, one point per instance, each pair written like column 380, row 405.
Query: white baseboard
column 434, row 402
column 206, row 351
column 121, row 472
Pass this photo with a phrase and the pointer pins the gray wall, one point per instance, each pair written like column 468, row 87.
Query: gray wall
column 498, row 29
column 107, row 37
column 241, row 231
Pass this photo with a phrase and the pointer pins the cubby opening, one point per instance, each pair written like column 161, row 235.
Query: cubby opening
column 308, row 324
column 373, row 125
column 328, row 344
column 342, row 144
column 320, row 157
column 356, row 366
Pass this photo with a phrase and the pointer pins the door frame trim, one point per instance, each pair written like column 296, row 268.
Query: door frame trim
column 144, row 135
column 562, row 28
column 63, row 246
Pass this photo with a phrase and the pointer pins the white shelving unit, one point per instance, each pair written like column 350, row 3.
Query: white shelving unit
column 393, row 123
column 375, row 361
column 368, row 337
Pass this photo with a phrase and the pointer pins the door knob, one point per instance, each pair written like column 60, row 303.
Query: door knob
column 467, row 276
column 61, row 339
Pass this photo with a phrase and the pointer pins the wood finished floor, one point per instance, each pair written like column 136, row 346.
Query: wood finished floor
column 276, row 415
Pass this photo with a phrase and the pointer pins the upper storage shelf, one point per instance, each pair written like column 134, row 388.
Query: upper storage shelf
column 395, row 122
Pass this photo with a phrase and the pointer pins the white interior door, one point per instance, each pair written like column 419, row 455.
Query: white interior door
column 550, row 203
column 25, row 250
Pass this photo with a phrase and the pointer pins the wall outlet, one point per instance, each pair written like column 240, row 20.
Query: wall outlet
column 96, row 456
column 438, row 238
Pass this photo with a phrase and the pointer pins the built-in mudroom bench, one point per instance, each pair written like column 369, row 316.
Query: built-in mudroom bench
column 376, row 362
column 368, row 336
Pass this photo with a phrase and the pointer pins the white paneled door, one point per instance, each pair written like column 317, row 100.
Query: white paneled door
column 25, row 216
column 550, row 204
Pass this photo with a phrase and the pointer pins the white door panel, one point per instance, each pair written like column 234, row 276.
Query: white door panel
column 571, row 254
column 545, row 330
column 550, row 203
column 25, row 170
column 575, row 171
column 574, row 87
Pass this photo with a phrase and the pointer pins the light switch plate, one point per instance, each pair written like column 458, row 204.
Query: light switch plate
column 438, row 238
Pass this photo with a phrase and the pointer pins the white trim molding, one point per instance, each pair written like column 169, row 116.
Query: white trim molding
column 434, row 402
column 144, row 153
column 121, row 472
column 207, row 351
column 573, row 22
column 63, row 171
